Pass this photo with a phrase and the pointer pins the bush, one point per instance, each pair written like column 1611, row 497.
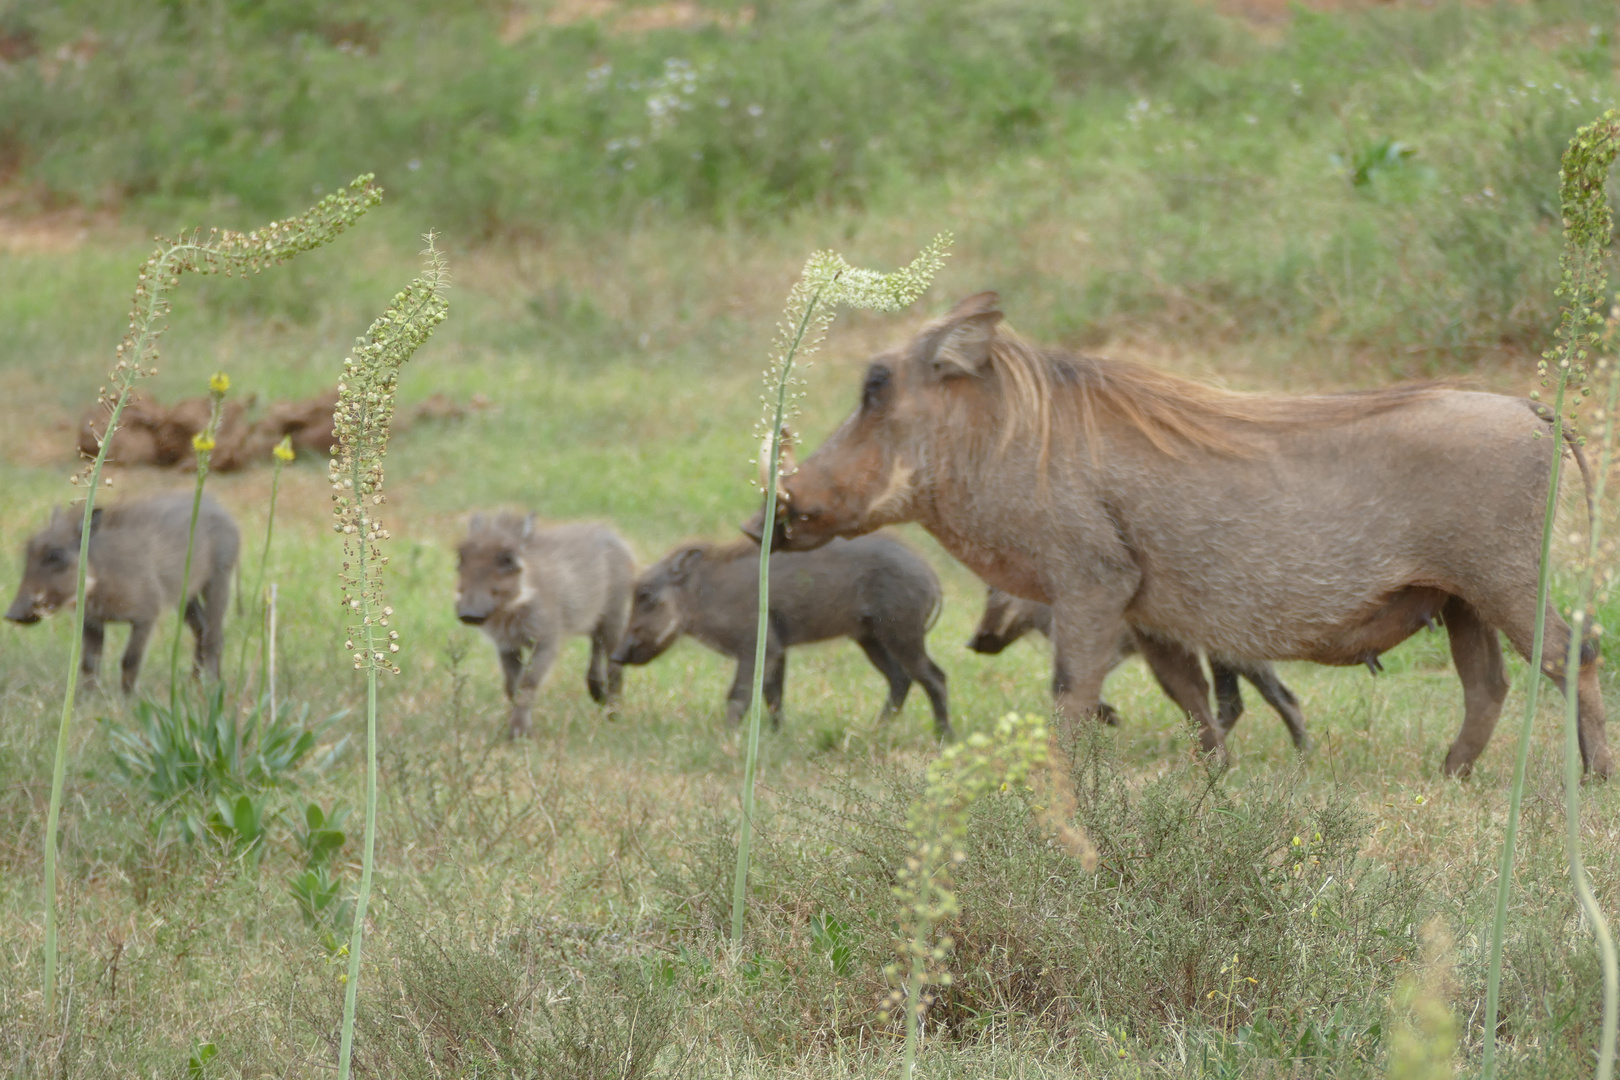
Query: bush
column 1241, row 917
column 808, row 102
column 532, row 1004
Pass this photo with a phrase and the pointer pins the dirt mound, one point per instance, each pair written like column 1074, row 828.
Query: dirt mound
column 151, row 433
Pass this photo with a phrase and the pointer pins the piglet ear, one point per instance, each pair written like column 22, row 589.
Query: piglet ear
column 528, row 525
column 476, row 524
column 95, row 523
column 683, row 564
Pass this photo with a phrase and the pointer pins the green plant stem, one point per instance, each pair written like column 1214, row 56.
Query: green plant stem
column 53, row 816
column 914, row 985
column 258, row 585
column 745, row 831
column 185, row 575
column 363, row 894
column 1504, row 879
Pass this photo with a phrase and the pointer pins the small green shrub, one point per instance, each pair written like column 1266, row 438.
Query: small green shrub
column 318, row 892
column 198, row 757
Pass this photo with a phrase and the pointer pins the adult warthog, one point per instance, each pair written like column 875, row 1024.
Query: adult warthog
column 1326, row 528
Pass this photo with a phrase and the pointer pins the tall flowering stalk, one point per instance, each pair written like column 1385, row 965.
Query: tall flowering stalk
column 1566, row 369
column 202, row 446
column 365, row 410
column 221, row 251
column 826, row 283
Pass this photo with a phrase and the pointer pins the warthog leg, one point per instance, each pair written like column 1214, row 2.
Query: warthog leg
column 1477, row 653
column 913, row 658
column 528, row 683
column 90, row 663
column 139, row 634
column 216, row 602
column 1264, row 679
column 741, row 694
column 1591, row 731
column 899, row 681
column 1085, row 647
column 1594, row 739
column 199, row 627
column 1181, row 677
column 775, row 677
column 604, row 677
column 1228, row 694
column 511, row 669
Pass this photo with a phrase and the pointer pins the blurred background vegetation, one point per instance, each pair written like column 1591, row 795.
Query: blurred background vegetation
column 1385, row 174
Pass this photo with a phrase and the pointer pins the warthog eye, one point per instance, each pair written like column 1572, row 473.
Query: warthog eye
column 509, row 563
column 877, row 381
column 55, row 559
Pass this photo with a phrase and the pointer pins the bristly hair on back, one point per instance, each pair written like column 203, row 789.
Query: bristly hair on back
column 1050, row 392
column 513, row 525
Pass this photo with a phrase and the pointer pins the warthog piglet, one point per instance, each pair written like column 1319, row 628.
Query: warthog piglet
column 872, row 589
column 1007, row 618
column 529, row 587
column 137, row 560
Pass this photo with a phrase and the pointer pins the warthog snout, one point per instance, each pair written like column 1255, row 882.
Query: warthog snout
column 754, row 529
column 472, row 616
column 23, row 610
column 987, row 643
column 633, row 651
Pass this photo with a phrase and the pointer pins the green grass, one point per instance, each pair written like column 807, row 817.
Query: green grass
column 602, row 827
column 535, row 899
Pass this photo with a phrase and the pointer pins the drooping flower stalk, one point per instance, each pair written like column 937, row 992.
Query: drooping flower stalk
column 365, row 411
column 826, row 283
column 220, row 251
column 1588, row 228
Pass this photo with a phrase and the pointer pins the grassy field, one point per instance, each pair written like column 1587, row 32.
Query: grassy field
column 1225, row 204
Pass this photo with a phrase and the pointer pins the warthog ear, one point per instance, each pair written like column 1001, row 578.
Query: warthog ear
column 683, row 563
column 528, row 525
column 476, row 524
column 960, row 343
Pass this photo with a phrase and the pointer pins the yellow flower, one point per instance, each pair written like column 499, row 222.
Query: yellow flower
column 202, row 442
column 284, row 450
column 220, row 383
